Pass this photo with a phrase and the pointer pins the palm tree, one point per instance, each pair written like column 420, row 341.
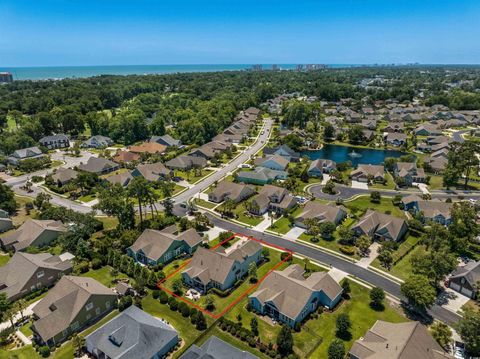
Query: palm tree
column 20, row 306
column 138, row 188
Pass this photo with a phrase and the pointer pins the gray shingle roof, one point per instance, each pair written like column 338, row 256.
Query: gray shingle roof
column 215, row 348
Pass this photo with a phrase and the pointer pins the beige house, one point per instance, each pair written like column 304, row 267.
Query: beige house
column 397, row 341
column 230, row 190
column 273, row 198
column 321, row 212
column 73, row 304
column 364, row 173
column 381, row 226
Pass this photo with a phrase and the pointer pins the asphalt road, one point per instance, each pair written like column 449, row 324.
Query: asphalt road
column 368, row 276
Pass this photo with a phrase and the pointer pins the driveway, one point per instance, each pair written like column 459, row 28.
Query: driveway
column 359, row 185
column 373, row 253
column 452, row 300
column 294, row 233
column 264, row 224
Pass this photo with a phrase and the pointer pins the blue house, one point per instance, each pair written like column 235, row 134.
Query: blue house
column 430, row 211
column 261, row 176
column 283, row 151
column 287, row 296
column 275, row 162
column 222, row 267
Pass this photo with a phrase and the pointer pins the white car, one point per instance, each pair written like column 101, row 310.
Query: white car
column 245, row 165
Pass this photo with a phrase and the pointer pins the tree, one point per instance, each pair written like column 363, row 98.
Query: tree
column 345, row 235
column 363, row 244
column 468, row 327
column 168, row 206
column 326, row 229
column 328, row 132
column 329, row 187
column 42, row 200
column 209, row 302
column 343, row 325
column 78, row 343
column 201, row 323
column 7, row 199
column 177, row 286
column 285, row 341
column 336, row 349
column 254, row 325
column 252, row 272
column 115, row 201
column 419, row 292
column 138, row 188
column 20, row 306
column 346, row 287
column 377, row 295
column 375, row 197
column 441, row 333
column 434, row 264
column 355, row 134
column 385, row 256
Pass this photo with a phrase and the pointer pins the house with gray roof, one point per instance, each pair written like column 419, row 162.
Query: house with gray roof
column 410, row 340
column 186, row 162
column 63, row 175
column 466, row 279
column 287, row 296
column 132, row 334
column 274, row 162
column 395, row 139
column 25, row 153
column 166, row 140
column 221, row 267
column 153, row 172
column 365, row 173
column 322, row 213
column 274, row 199
column 99, row 166
column 261, row 176
column 282, row 150
column 160, row 247
column 409, row 172
column 26, row 273
column 229, row 190
column 381, row 226
column 434, row 210
column 123, row 179
column 55, row 141
column 320, row 166
column 97, row 141
column 6, row 222
column 33, row 232
column 215, row 348
column 69, row 307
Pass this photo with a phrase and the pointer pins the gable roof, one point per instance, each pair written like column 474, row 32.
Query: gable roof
column 397, row 341
column 30, row 231
column 152, row 171
column 215, row 348
column 154, row 244
column 166, row 139
column 27, row 152
column 132, row 334
column 369, row 170
column 97, row 165
column 231, row 190
column 470, row 271
column 125, row 156
column 321, row 164
column 63, row 175
column 323, row 212
column 185, row 161
column 57, row 310
column 290, row 291
column 280, row 160
column 148, row 147
column 374, row 221
column 22, row 266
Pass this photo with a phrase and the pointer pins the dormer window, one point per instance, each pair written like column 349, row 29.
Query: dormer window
column 89, row 306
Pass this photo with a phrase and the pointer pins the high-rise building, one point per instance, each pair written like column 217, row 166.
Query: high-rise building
column 6, row 77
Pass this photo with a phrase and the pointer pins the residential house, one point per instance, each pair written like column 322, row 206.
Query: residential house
column 434, row 210
column 63, row 175
column 369, row 124
column 25, row 153
column 123, row 179
column 26, row 273
column 409, row 340
column 274, row 162
column 288, row 297
column 381, row 226
column 409, row 172
column 221, row 267
column 427, row 129
column 465, row 279
column 229, row 190
column 395, row 139
column 166, row 140
column 152, row 172
column 394, row 127
column 368, row 134
column 365, row 173
column 98, row 165
column 209, row 149
column 436, row 140
column 261, row 176
column 132, row 334
column 320, row 166
column 34, row 232
column 185, row 162
column 55, row 141
column 160, row 247
column 5, row 221
column 148, row 148
column 126, row 157
column 97, row 141
column 73, row 304
column 274, row 199
column 437, row 164
column 321, row 212
column 282, row 150
column 215, row 348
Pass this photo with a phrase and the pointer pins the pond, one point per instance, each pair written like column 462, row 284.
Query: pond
column 339, row 154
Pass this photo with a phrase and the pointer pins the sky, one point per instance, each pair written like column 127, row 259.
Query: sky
column 151, row 32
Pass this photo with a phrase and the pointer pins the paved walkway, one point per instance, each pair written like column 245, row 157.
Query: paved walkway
column 294, row 233
column 23, row 338
column 27, row 312
column 264, row 224
column 337, row 274
column 213, row 233
column 325, row 179
column 373, row 253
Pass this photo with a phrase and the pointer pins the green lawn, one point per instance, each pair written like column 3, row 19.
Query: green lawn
column 87, row 198
column 282, row 226
column 436, row 182
column 27, row 352
column 242, row 215
column 4, row 258
column 190, row 177
column 390, row 184
column 176, row 190
column 403, row 268
column 203, row 203
column 103, row 275
column 363, row 203
column 26, row 330
column 108, row 222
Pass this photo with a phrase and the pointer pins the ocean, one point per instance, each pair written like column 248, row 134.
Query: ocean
column 60, row 72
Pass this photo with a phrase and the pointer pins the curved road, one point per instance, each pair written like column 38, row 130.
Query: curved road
column 366, row 275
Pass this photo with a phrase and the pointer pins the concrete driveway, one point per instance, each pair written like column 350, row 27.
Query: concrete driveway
column 294, row 233
column 359, row 185
column 452, row 300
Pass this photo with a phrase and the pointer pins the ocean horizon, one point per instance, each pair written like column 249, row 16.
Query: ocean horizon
column 61, row 72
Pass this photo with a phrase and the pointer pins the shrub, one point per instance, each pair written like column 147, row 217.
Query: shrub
column 44, row 351
column 163, row 297
column 82, row 267
column 348, row 250
column 96, row 263
column 173, row 304
column 155, row 293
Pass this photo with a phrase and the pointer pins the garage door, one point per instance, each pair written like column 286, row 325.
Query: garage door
column 466, row 292
column 455, row 286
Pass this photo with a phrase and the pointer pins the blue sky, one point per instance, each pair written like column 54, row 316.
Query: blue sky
column 112, row 32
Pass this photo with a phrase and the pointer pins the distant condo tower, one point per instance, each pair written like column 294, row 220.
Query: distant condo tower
column 6, row 77
column 275, row 68
column 257, row 67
